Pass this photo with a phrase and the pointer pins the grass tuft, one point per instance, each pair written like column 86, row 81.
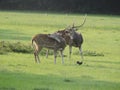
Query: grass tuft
column 89, row 53
column 92, row 53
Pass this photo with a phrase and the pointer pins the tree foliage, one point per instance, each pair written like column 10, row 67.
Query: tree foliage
column 79, row 6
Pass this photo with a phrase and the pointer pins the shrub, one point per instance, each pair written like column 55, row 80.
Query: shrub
column 19, row 47
column 15, row 47
column 4, row 47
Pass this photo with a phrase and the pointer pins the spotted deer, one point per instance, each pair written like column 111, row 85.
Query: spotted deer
column 50, row 41
column 74, row 38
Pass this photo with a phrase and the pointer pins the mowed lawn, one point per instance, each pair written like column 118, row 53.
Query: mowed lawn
column 99, row 71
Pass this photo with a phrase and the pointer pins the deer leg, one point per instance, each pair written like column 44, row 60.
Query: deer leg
column 55, row 56
column 37, row 60
column 36, row 51
column 61, row 51
column 35, row 55
column 47, row 53
column 70, row 51
column 39, row 49
column 81, row 53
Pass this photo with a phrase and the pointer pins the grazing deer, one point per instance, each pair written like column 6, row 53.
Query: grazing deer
column 50, row 41
column 73, row 38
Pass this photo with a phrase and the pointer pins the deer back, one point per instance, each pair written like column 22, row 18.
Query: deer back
column 45, row 40
column 64, row 35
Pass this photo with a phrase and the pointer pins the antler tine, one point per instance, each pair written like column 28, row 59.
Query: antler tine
column 82, row 23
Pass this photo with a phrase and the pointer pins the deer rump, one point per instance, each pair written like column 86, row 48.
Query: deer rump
column 50, row 41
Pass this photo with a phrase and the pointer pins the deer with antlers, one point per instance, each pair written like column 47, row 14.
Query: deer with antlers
column 73, row 39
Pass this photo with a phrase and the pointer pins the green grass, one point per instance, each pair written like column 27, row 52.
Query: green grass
column 101, row 67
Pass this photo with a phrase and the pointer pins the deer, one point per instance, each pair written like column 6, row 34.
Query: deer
column 50, row 41
column 74, row 38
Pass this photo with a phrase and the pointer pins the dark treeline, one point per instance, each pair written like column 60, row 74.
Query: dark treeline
column 78, row 6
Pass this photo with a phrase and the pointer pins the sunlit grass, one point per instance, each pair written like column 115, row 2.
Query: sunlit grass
column 100, row 69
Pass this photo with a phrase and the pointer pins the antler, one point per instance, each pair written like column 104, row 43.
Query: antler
column 81, row 24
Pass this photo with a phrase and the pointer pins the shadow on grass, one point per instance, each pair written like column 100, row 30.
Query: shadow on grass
column 14, row 35
column 102, row 64
column 27, row 81
column 108, row 62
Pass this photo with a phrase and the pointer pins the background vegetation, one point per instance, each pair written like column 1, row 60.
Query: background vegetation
column 78, row 6
column 18, row 70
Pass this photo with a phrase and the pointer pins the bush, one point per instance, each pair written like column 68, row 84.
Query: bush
column 19, row 47
column 4, row 47
column 15, row 47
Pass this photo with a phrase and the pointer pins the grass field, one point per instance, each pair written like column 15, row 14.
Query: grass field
column 18, row 71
